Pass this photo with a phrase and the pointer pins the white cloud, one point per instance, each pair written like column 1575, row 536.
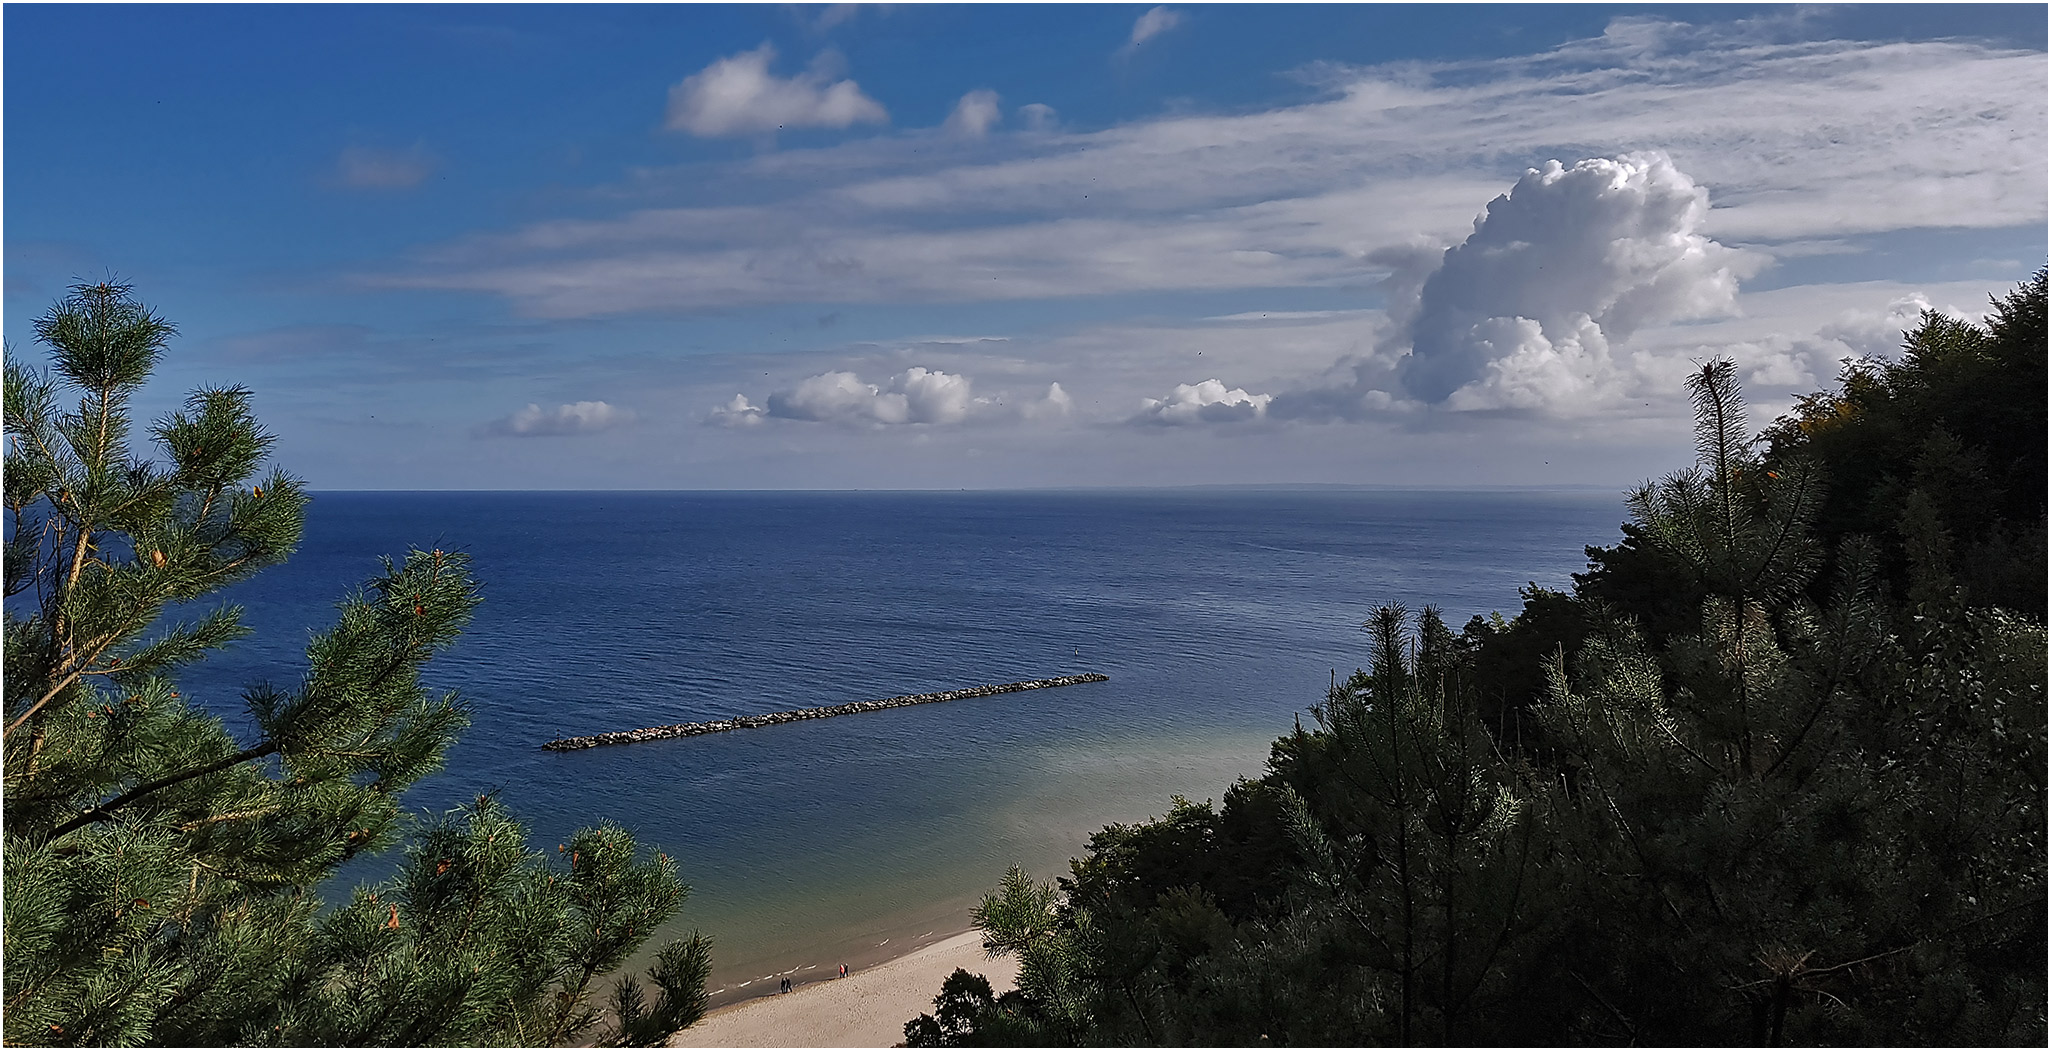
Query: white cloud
column 1525, row 365
column 1575, row 320
column 738, row 95
column 834, row 15
column 584, row 417
column 1777, row 362
column 1055, row 405
column 1525, row 312
column 363, row 168
column 1522, row 313
column 1879, row 334
column 975, row 114
column 1038, row 116
column 933, row 397
column 916, row 395
column 835, row 395
column 1156, row 21
column 737, row 413
column 1206, row 402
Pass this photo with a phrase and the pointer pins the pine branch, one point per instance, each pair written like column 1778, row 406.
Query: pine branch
column 107, row 809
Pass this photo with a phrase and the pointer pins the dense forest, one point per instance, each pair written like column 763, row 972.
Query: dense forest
column 1771, row 772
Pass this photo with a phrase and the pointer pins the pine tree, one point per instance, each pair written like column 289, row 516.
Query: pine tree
column 1808, row 823
column 1423, row 847
column 1053, row 946
column 162, row 869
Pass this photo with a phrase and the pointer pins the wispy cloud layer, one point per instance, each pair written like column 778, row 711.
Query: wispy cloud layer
column 1794, row 141
column 830, row 16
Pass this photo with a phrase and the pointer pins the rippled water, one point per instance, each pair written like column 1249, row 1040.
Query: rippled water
column 1217, row 615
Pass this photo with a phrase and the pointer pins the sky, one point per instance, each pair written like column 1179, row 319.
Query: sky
column 980, row 246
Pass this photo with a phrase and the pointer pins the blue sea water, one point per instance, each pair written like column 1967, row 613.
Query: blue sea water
column 1218, row 615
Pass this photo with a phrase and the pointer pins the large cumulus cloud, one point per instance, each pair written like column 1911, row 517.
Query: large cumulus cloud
column 1530, row 311
column 1522, row 314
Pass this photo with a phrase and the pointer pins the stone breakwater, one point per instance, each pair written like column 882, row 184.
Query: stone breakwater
column 746, row 722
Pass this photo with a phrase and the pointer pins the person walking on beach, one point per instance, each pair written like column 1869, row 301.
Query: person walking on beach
column 843, row 970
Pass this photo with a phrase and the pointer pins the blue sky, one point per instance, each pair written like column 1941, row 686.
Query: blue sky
column 918, row 246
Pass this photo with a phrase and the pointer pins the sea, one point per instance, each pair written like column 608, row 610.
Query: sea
column 1219, row 615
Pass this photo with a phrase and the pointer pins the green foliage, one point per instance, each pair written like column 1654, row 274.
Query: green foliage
column 160, row 867
column 1939, row 456
column 1803, row 843
column 1018, row 916
column 966, row 1014
column 1022, row 917
column 963, row 997
column 1504, row 666
column 1762, row 777
column 479, row 935
column 678, row 976
column 1429, row 862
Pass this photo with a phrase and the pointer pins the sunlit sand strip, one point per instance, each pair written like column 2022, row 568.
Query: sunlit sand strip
column 868, row 1008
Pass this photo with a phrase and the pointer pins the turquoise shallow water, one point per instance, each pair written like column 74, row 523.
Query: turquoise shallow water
column 1219, row 616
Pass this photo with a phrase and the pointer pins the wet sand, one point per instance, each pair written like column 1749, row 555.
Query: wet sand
column 868, row 1008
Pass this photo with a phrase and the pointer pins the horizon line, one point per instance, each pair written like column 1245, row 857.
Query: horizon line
column 1205, row 486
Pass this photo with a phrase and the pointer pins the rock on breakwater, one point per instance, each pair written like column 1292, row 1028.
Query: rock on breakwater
column 745, row 722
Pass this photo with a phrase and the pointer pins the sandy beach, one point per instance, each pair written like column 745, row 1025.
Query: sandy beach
column 868, row 1008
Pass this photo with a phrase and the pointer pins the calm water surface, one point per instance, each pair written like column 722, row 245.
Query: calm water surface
column 1219, row 616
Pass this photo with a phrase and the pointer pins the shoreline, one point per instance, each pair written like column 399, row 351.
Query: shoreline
column 822, row 966
column 803, row 924
column 868, row 1008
